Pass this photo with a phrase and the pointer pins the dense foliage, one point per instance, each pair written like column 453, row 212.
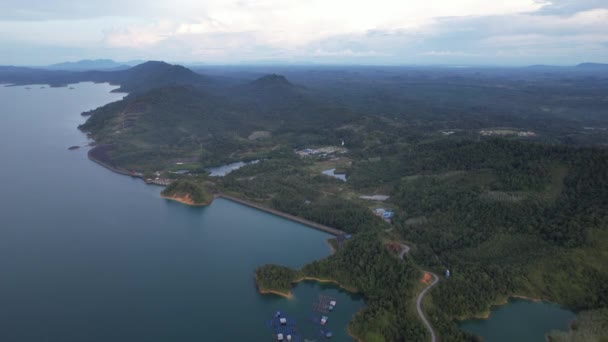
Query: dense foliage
column 275, row 278
column 590, row 326
column 527, row 232
column 195, row 191
column 285, row 184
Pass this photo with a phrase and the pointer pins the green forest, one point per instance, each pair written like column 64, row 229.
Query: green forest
column 506, row 217
column 195, row 191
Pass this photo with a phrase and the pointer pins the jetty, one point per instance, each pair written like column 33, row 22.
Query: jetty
column 315, row 225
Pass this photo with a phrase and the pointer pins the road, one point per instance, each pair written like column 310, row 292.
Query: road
column 404, row 250
column 419, row 306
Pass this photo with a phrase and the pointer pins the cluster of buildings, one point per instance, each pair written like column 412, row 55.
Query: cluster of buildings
column 158, row 180
column 504, row 132
column 385, row 214
column 321, row 152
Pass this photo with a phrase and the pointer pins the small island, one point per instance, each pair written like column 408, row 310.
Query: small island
column 72, row 148
column 188, row 192
column 275, row 279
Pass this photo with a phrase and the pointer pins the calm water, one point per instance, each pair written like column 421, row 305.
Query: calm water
column 332, row 173
column 520, row 320
column 221, row 171
column 88, row 255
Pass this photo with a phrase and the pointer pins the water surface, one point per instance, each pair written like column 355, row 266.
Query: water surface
column 520, row 320
column 222, row 170
column 89, row 255
column 332, row 173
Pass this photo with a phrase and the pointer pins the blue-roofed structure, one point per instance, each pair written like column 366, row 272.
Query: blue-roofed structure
column 284, row 328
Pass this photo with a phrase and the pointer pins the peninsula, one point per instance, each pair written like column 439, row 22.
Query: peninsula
column 187, row 192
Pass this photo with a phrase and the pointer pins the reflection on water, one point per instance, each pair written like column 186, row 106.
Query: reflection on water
column 332, row 173
column 221, row 171
column 520, row 320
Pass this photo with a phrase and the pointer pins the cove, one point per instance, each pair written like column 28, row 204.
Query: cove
column 520, row 320
column 89, row 255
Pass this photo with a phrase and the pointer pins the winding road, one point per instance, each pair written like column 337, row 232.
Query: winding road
column 419, row 305
column 404, row 250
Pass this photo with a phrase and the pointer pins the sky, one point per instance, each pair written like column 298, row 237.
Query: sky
column 384, row 32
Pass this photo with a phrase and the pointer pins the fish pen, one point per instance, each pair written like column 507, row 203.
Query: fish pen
column 283, row 327
column 326, row 333
column 324, row 304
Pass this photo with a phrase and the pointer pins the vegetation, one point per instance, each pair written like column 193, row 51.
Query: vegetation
column 272, row 278
column 590, row 326
column 188, row 191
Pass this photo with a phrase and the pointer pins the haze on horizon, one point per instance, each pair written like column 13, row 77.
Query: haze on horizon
column 474, row 32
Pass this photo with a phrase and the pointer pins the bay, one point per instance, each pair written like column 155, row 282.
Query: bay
column 89, row 255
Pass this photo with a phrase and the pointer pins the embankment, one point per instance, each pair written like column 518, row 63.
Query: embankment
column 318, row 226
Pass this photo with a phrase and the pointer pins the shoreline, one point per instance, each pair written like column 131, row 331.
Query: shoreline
column 330, row 281
column 185, row 200
column 293, row 218
column 108, row 166
column 352, row 335
column 484, row 315
column 278, row 293
column 331, row 247
column 289, row 294
column 311, row 224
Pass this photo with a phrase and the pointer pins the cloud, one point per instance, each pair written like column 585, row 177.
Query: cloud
column 522, row 38
column 347, row 53
column 448, row 53
column 139, row 36
column 569, row 7
column 382, row 31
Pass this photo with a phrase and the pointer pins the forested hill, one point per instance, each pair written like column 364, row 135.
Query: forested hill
column 149, row 129
column 150, row 75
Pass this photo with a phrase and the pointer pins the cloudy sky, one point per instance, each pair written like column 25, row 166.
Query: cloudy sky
column 499, row 32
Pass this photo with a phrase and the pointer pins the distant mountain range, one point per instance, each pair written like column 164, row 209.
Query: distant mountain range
column 92, row 64
column 581, row 65
column 593, row 65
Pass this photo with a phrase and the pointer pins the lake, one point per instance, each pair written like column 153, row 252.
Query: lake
column 89, row 255
column 520, row 320
column 332, row 173
column 222, row 170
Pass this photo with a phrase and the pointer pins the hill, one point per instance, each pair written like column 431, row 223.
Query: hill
column 154, row 74
column 187, row 192
column 184, row 121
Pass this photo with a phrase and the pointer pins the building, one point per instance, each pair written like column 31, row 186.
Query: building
column 379, row 211
column 388, row 215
